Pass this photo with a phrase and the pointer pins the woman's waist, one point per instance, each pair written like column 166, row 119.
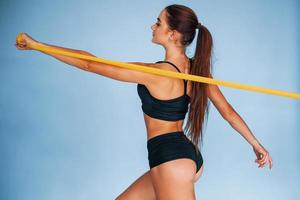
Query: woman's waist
column 157, row 127
column 153, row 134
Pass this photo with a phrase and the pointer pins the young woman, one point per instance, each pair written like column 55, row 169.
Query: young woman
column 174, row 157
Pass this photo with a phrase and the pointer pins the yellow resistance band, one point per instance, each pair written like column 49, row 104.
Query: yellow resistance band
column 167, row 73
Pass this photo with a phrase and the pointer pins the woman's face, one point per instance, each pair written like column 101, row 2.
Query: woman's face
column 161, row 31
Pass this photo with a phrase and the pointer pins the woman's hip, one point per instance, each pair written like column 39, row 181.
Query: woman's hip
column 171, row 146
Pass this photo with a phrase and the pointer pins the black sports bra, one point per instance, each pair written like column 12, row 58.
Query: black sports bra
column 169, row 109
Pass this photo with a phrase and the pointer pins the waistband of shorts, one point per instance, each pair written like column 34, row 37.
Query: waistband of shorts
column 175, row 134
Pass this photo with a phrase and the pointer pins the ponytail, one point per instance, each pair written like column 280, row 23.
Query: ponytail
column 199, row 105
column 185, row 21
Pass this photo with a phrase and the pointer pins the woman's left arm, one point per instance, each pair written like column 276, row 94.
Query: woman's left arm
column 236, row 122
column 230, row 115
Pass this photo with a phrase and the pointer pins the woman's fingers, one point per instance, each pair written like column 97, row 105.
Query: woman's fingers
column 270, row 162
column 262, row 159
column 21, row 38
column 266, row 160
column 21, row 46
column 259, row 158
column 18, row 46
column 265, row 157
column 23, row 41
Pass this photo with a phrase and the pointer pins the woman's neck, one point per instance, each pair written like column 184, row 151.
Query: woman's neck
column 174, row 53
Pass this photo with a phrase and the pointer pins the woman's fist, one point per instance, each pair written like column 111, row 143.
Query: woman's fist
column 23, row 41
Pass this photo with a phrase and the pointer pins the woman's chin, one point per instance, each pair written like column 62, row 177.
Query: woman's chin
column 153, row 40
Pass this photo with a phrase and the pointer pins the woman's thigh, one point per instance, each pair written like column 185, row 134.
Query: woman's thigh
column 140, row 189
column 174, row 179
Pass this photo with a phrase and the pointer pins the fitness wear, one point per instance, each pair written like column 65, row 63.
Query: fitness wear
column 170, row 109
column 172, row 146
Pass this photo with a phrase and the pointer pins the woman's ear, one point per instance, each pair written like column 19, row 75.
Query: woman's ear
column 174, row 36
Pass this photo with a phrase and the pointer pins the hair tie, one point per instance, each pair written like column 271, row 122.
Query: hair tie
column 199, row 25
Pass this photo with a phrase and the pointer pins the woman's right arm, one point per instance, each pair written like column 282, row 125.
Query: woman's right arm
column 81, row 63
column 23, row 41
column 117, row 73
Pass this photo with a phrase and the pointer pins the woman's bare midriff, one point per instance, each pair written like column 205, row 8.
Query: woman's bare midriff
column 157, row 127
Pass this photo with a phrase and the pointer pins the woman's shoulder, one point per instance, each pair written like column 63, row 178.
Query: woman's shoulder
column 147, row 64
column 158, row 64
column 159, row 81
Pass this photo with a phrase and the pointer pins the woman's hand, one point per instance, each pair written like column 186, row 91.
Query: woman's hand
column 23, row 40
column 263, row 156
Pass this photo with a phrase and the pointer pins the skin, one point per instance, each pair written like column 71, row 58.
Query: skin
column 173, row 179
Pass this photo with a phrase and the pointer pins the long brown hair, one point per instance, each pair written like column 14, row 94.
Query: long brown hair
column 184, row 20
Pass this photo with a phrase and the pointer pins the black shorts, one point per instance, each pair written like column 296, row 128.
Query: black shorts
column 171, row 146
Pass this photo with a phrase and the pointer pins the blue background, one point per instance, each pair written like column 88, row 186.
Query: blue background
column 71, row 134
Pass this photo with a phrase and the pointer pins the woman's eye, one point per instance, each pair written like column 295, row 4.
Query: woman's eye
column 157, row 23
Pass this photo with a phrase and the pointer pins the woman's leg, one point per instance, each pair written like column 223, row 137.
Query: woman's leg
column 141, row 189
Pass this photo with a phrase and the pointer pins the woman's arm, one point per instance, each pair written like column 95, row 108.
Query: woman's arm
column 110, row 71
column 23, row 42
column 118, row 73
column 229, row 114
column 236, row 122
column 80, row 63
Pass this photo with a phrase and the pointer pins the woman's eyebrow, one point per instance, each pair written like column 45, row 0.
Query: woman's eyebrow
column 158, row 19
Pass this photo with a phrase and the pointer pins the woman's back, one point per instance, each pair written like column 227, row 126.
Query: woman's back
column 165, row 103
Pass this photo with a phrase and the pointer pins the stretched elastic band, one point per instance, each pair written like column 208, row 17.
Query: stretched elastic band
column 167, row 73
